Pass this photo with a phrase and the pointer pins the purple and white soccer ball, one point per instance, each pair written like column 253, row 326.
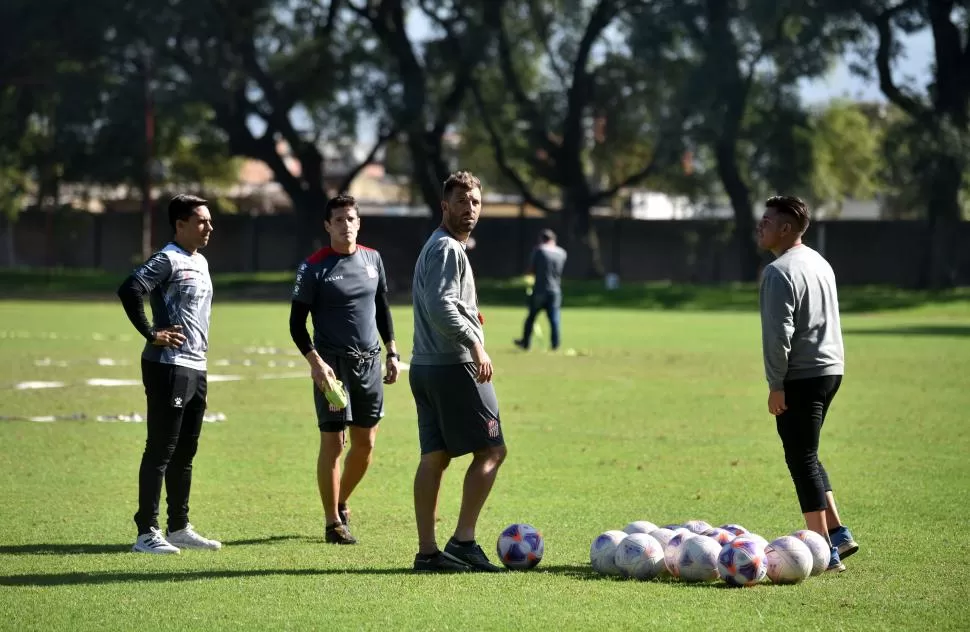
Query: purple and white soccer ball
column 520, row 546
column 673, row 548
column 821, row 551
column 736, row 529
column 719, row 535
column 697, row 527
column 639, row 526
column 698, row 560
column 742, row 562
column 789, row 560
column 602, row 552
column 640, row 556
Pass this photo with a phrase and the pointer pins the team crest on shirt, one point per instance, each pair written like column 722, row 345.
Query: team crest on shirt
column 371, row 271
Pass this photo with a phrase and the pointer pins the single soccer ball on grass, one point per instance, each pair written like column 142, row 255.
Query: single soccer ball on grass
column 698, row 559
column 742, row 562
column 821, row 551
column 602, row 552
column 640, row 556
column 520, row 546
column 789, row 560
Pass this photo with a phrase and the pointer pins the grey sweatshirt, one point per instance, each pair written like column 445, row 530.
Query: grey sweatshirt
column 801, row 333
column 446, row 319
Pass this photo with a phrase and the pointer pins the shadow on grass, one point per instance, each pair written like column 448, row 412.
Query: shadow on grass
column 64, row 284
column 101, row 578
column 948, row 331
column 100, row 549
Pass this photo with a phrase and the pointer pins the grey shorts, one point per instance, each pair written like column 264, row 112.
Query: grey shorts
column 364, row 384
column 456, row 414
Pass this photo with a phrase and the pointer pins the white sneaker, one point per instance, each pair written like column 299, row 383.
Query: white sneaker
column 187, row 538
column 154, row 542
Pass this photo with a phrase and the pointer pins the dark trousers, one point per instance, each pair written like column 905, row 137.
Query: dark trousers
column 551, row 303
column 799, row 427
column 176, row 403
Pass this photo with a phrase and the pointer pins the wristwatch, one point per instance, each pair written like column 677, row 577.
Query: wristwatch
column 396, row 356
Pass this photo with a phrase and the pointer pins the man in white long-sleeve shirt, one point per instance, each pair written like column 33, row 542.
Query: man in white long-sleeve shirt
column 804, row 360
column 451, row 380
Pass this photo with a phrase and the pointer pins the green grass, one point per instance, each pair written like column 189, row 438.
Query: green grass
column 659, row 416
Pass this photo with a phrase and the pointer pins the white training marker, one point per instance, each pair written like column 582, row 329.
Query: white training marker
column 28, row 386
column 100, row 381
column 224, row 378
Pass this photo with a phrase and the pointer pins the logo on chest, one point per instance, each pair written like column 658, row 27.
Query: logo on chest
column 371, row 271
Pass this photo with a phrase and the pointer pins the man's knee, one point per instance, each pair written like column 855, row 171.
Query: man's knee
column 331, row 444
column 435, row 461
column 493, row 456
column 363, row 439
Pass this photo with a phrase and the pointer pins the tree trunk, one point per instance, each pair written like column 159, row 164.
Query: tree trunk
column 943, row 214
column 740, row 196
column 578, row 231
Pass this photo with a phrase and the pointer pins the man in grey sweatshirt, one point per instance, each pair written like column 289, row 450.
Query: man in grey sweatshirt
column 801, row 338
column 451, row 380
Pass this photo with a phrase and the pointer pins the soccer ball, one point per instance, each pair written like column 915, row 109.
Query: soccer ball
column 757, row 538
column 697, row 527
column 640, row 556
column 742, row 562
column 736, row 529
column 672, row 550
column 640, row 526
column 719, row 535
column 520, row 546
column 602, row 552
column 662, row 535
column 821, row 551
column 698, row 560
column 789, row 560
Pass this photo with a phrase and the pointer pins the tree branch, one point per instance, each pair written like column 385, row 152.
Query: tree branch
column 883, row 24
column 542, row 29
column 493, row 18
column 500, row 157
column 579, row 90
column 352, row 175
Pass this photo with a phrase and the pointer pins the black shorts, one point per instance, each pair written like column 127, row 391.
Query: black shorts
column 364, row 384
column 456, row 414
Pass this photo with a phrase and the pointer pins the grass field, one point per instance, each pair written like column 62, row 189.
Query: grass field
column 659, row 416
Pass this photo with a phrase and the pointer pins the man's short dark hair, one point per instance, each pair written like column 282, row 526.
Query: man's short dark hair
column 182, row 206
column 341, row 201
column 463, row 180
column 793, row 208
column 547, row 235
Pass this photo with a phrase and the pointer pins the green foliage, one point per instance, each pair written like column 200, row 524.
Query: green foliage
column 848, row 155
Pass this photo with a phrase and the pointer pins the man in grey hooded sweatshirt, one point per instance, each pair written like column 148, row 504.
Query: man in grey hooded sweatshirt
column 451, row 380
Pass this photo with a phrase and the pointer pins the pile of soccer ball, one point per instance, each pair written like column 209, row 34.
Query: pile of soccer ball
column 695, row 551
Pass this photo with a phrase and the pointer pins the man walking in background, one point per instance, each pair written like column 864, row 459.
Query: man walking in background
column 451, row 380
column 546, row 264
column 173, row 366
column 344, row 289
column 804, row 361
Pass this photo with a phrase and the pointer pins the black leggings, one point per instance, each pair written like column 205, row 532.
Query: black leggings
column 799, row 427
column 176, row 404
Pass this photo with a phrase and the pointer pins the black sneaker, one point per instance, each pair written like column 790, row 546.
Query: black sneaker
column 344, row 514
column 520, row 344
column 439, row 563
column 473, row 555
column 338, row 533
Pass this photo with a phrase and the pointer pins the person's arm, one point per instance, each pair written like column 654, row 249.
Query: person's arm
column 132, row 292
column 777, row 297
column 385, row 326
column 442, row 292
column 302, row 300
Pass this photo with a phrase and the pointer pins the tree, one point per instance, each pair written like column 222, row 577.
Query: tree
column 751, row 56
column 939, row 115
column 560, row 76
